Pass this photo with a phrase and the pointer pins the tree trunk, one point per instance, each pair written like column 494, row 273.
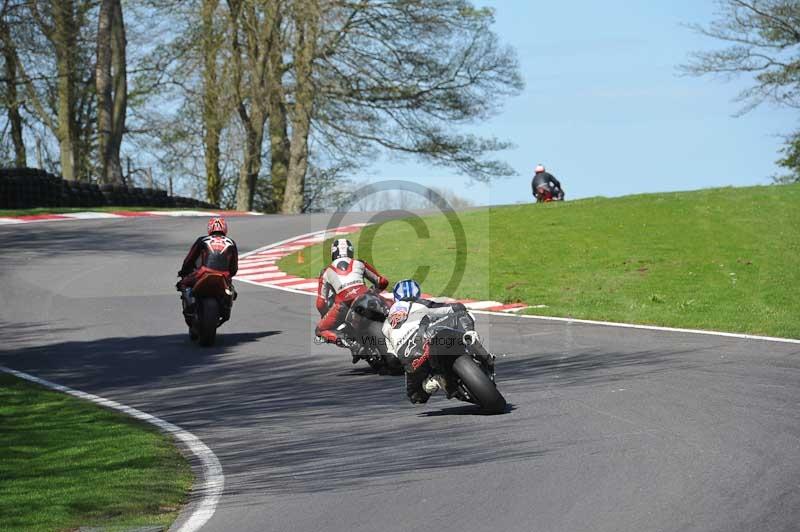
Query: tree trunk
column 251, row 165
column 112, row 89
column 12, row 98
column 211, row 112
column 65, row 40
column 260, row 30
column 306, row 15
column 102, row 78
column 278, row 130
column 279, row 149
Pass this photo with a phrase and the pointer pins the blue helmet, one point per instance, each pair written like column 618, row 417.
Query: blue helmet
column 407, row 290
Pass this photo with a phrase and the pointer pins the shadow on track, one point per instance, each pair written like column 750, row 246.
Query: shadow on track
column 466, row 410
column 590, row 367
column 284, row 421
column 51, row 240
column 138, row 361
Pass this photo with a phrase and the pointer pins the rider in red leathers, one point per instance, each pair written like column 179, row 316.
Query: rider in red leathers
column 339, row 285
column 216, row 252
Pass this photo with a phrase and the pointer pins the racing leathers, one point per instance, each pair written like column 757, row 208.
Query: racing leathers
column 213, row 253
column 408, row 335
column 548, row 180
column 339, row 285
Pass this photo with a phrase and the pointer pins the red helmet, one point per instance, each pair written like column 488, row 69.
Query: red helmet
column 217, row 224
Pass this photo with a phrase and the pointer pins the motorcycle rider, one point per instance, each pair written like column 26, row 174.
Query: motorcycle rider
column 544, row 179
column 215, row 252
column 339, row 285
column 406, row 332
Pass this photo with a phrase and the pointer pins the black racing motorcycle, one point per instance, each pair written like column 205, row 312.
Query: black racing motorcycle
column 467, row 369
column 363, row 324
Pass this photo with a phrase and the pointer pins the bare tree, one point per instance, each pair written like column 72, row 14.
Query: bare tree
column 398, row 76
column 306, row 20
column 54, row 43
column 213, row 87
column 762, row 40
column 112, row 89
column 11, row 98
column 255, row 36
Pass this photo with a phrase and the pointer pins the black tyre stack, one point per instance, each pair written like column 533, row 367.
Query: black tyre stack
column 25, row 188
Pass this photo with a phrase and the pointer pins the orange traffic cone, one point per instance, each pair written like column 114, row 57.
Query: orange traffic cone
column 301, row 259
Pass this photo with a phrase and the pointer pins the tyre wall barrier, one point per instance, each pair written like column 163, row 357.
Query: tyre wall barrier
column 25, row 188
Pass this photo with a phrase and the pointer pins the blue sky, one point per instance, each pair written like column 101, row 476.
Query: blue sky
column 605, row 109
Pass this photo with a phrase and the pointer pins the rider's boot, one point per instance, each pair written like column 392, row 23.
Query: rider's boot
column 414, row 387
column 188, row 302
column 434, row 383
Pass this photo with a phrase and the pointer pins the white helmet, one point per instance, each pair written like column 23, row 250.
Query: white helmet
column 539, row 168
column 341, row 248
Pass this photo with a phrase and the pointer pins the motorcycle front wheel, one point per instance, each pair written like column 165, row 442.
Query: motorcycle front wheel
column 480, row 386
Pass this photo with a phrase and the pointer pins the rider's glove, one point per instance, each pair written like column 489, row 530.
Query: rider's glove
column 459, row 307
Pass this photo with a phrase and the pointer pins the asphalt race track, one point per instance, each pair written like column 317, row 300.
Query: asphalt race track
column 609, row 430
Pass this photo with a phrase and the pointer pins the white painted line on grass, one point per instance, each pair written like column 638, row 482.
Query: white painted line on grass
column 259, row 268
column 510, row 314
column 90, row 215
column 307, row 286
column 261, row 276
column 258, row 259
column 643, row 327
column 478, row 305
column 180, row 214
column 210, row 485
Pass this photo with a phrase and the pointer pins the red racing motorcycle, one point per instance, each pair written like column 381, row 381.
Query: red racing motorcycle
column 207, row 305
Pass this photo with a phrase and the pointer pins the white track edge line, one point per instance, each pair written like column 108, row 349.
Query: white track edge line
column 556, row 318
column 213, row 481
column 659, row 328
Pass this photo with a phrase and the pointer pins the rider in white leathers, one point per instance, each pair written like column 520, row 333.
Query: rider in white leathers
column 405, row 331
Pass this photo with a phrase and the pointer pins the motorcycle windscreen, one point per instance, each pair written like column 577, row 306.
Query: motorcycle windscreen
column 210, row 285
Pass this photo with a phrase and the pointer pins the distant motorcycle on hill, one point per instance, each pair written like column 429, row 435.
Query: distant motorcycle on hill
column 545, row 193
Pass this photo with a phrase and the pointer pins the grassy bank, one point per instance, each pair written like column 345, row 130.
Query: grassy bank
column 723, row 259
column 67, row 463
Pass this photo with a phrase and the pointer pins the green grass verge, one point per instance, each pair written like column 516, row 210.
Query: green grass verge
column 724, row 259
column 62, row 210
column 67, row 463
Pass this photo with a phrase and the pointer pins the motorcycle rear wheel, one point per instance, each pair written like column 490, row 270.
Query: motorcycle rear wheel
column 208, row 321
column 479, row 385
